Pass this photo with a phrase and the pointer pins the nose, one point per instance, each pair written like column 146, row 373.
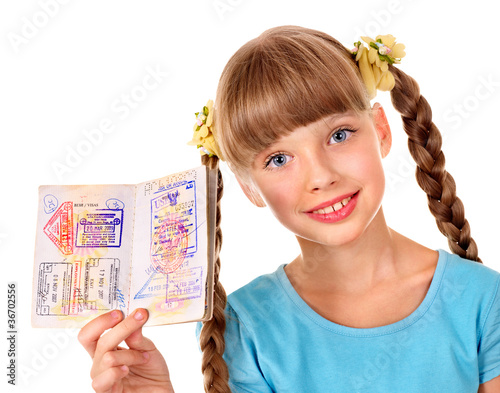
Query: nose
column 319, row 171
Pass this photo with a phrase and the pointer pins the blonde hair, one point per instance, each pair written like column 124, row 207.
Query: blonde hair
column 290, row 77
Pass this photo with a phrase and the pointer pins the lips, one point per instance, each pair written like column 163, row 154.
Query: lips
column 334, row 210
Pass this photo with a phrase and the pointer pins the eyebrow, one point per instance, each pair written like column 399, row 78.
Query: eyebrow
column 336, row 116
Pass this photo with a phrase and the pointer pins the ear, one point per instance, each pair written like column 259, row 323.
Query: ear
column 251, row 193
column 383, row 129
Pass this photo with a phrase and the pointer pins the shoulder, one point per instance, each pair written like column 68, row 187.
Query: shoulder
column 257, row 295
column 262, row 304
column 258, row 287
column 471, row 285
column 469, row 270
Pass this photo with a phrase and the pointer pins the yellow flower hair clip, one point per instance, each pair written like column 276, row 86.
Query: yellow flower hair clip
column 374, row 60
column 203, row 136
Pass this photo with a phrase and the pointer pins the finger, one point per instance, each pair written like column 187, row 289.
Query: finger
column 92, row 331
column 138, row 342
column 122, row 331
column 126, row 357
column 104, row 382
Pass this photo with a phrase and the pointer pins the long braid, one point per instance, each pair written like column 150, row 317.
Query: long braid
column 424, row 143
column 213, row 366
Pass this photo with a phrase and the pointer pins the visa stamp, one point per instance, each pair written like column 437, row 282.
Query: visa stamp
column 59, row 288
column 50, row 203
column 169, row 246
column 173, row 226
column 100, row 228
column 115, row 204
column 59, row 228
column 185, row 284
column 54, row 288
column 101, row 281
column 74, row 288
column 152, row 286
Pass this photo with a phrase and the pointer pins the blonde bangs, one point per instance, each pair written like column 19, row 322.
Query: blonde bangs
column 286, row 78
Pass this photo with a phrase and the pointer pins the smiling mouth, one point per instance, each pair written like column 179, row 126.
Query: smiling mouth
column 333, row 208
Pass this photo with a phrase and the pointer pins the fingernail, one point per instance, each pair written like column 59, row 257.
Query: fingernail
column 124, row 368
column 145, row 355
column 138, row 316
column 116, row 314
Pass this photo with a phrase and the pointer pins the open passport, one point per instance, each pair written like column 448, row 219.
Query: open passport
column 104, row 247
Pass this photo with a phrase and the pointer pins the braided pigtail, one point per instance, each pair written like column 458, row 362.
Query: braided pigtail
column 213, row 366
column 424, row 143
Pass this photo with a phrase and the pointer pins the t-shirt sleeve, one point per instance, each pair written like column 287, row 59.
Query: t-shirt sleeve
column 245, row 375
column 489, row 345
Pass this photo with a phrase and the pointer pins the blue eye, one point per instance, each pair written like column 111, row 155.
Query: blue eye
column 277, row 160
column 341, row 135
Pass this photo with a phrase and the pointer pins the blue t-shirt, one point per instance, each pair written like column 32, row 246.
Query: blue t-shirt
column 451, row 343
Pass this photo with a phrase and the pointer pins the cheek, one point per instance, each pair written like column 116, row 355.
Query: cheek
column 277, row 193
column 368, row 167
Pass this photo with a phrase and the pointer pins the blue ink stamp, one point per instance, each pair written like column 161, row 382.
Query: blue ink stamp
column 172, row 197
column 121, row 299
column 50, row 203
column 174, row 235
column 101, row 228
column 146, row 290
column 115, row 204
column 184, row 284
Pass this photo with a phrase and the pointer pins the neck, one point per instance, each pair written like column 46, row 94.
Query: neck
column 355, row 267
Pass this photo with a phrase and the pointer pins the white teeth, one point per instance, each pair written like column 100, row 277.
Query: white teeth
column 328, row 209
column 331, row 209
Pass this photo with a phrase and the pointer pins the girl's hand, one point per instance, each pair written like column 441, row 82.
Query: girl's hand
column 140, row 368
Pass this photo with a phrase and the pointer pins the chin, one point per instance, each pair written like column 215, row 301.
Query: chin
column 333, row 238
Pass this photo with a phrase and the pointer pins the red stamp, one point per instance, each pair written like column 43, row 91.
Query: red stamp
column 59, row 229
column 169, row 246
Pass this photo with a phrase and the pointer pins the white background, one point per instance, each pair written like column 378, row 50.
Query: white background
column 65, row 67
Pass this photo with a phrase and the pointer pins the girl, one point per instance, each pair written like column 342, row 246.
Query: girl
column 362, row 308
